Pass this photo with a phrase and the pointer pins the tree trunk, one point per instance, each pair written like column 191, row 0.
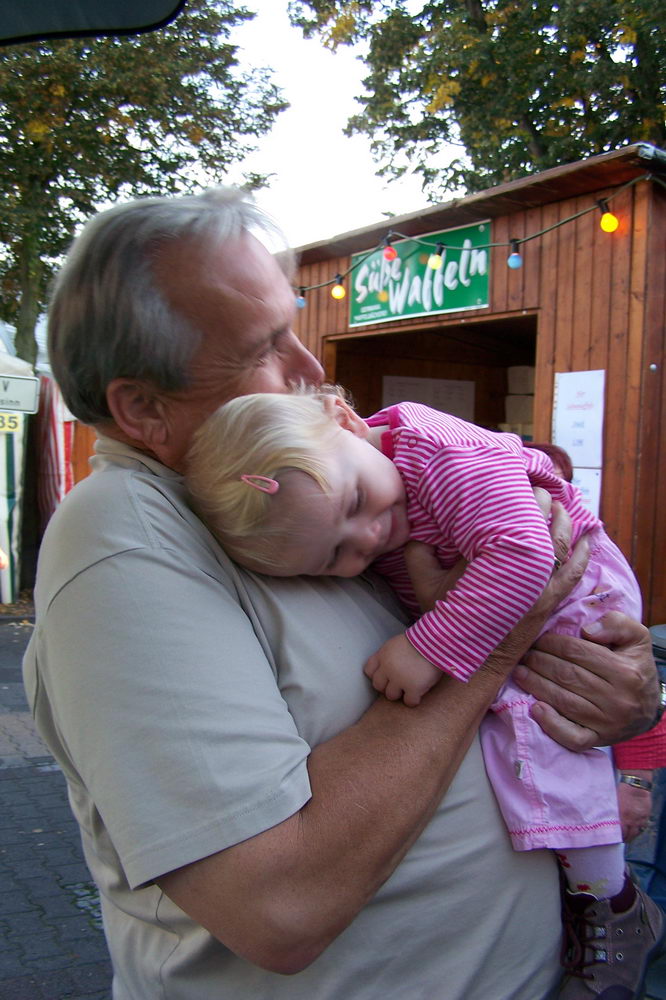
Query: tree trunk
column 29, row 306
column 535, row 142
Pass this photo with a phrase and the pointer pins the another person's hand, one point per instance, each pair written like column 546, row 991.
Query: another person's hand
column 635, row 807
column 397, row 670
column 430, row 581
column 596, row 690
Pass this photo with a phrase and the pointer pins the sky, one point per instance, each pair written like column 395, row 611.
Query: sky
column 325, row 182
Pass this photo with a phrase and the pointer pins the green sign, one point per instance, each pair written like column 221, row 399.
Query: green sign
column 382, row 290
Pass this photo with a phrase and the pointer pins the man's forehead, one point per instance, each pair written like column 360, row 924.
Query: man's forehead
column 240, row 266
column 236, row 284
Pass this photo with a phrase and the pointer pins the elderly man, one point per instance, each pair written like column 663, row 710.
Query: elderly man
column 248, row 808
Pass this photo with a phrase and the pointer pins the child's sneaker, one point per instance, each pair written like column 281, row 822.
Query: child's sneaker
column 609, row 944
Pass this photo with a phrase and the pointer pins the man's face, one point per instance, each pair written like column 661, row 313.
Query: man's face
column 241, row 300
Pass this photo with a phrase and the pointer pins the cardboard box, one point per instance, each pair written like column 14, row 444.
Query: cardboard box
column 525, row 431
column 519, row 409
column 520, row 379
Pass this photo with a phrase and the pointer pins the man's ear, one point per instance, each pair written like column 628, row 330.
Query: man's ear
column 138, row 411
column 345, row 416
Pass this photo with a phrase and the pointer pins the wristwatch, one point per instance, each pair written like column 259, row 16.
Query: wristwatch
column 635, row 782
column 661, row 707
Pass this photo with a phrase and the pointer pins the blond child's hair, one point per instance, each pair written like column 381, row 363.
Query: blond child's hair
column 260, row 435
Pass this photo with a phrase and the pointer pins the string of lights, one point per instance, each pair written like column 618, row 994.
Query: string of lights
column 608, row 222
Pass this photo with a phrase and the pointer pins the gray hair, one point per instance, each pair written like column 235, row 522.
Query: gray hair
column 108, row 317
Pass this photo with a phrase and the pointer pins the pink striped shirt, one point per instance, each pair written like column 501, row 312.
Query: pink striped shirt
column 469, row 493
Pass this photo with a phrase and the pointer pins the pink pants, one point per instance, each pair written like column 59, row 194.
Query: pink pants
column 550, row 796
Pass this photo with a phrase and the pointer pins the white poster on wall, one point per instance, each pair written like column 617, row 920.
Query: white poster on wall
column 588, row 482
column 578, row 427
column 454, row 396
column 578, row 416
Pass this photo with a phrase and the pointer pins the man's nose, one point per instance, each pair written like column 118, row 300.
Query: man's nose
column 304, row 365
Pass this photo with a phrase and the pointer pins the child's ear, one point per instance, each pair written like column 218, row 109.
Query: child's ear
column 345, row 416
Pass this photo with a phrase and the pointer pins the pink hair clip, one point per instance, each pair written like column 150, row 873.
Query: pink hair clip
column 261, row 483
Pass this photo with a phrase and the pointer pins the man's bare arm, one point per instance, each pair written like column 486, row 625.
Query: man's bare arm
column 280, row 898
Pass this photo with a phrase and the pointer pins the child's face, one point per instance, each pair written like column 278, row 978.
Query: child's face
column 362, row 516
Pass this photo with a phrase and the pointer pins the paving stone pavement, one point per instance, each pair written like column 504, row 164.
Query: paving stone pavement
column 51, row 941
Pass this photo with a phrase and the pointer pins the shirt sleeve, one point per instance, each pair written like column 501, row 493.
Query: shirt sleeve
column 646, row 751
column 483, row 504
column 175, row 729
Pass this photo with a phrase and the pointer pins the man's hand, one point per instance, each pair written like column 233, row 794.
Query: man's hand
column 595, row 690
column 430, row 581
column 397, row 670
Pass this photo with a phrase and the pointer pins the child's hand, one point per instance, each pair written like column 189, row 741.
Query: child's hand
column 635, row 807
column 397, row 671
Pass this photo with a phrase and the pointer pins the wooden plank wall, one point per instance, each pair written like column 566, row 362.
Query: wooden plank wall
column 600, row 303
column 606, row 311
column 649, row 523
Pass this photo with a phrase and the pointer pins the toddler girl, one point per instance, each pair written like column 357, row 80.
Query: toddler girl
column 300, row 484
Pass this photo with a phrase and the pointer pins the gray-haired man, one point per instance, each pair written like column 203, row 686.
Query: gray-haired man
column 258, row 824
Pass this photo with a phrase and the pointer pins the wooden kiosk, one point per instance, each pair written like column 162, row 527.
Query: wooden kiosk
column 584, row 300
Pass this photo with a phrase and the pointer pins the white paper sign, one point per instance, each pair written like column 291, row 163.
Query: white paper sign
column 454, row 396
column 588, row 482
column 578, row 416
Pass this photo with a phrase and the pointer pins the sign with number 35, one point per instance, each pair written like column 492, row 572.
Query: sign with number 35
column 10, row 423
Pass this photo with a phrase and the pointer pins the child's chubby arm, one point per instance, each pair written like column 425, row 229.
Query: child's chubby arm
column 482, row 505
column 398, row 671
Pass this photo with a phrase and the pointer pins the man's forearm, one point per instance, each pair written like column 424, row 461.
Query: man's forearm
column 384, row 778
column 281, row 897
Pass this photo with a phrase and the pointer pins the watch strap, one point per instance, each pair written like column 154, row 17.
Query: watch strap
column 661, row 707
column 636, row 782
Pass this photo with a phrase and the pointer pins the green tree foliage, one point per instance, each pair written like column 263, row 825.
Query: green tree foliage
column 85, row 121
column 520, row 85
